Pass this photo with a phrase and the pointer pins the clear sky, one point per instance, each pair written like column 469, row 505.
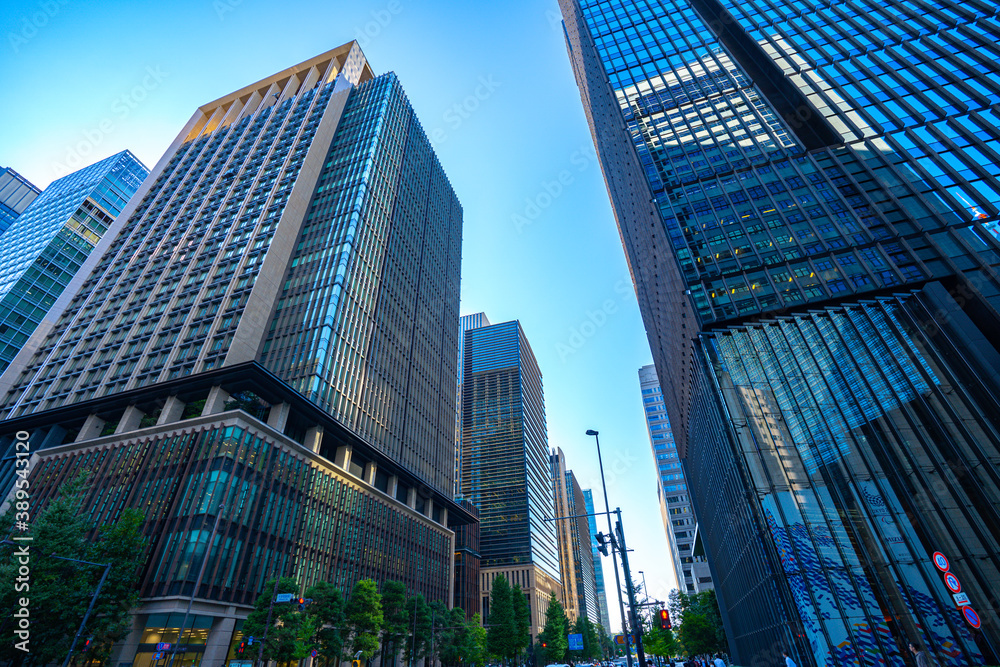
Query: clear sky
column 490, row 80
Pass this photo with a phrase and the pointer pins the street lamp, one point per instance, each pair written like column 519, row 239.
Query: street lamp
column 614, row 559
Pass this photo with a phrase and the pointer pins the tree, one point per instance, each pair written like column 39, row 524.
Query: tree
column 395, row 619
column 64, row 589
column 418, row 630
column 477, row 641
column 661, row 642
column 700, row 628
column 554, row 633
column 290, row 634
column 363, row 617
column 328, row 609
column 522, row 620
column 501, row 637
column 591, row 643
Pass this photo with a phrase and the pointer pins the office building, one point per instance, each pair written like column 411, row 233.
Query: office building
column 278, row 302
column 16, row 193
column 467, row 567
column 505, row 465
column 465, row 323
column 576, row 562
column 679, row 521
column 46, row 245
column 600, row 595
column 807, row 197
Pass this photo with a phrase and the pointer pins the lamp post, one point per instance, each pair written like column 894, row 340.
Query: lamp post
column 614, row 559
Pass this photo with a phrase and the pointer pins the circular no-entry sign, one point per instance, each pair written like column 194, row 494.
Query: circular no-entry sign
column 940, row 562
column 951, row 581
column 971, row 617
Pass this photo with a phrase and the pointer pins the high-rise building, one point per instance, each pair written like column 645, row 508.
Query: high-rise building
column 261, row 356
column 465, row 323
column 505, row 465
column 576, row 562
column 601, row 595
column 679, row 522
column 45, row 246
column 808, row 197
column 16, row 193
column 467, row 565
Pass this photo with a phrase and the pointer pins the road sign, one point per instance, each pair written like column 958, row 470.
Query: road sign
column 620, row 639
column 575, row 642
column 971, row 617
column 314, row 653
column 283, row 597
column 158, row 655
column 163, row 647
column 961, row 599
column 951, row 581
column 940, row 562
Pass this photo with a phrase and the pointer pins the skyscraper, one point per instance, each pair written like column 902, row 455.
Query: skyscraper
column 465, row 323
column 576, row 562
column 16, row 193
column 600, row 594
column 44, row 247
column 505, row 464
column 807, row 197
column 262, row 349
column 679, row 522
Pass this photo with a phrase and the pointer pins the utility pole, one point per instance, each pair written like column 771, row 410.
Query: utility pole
column 630, row 591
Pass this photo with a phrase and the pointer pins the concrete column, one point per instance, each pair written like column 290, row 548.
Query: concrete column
column 91, row 428
column 429, row 507
column 277, row 417
column 444, row 516
column 171, row 412
column 130, row 420
column 314, row 438
column 411, row 498
column 393, row 483
column 343, row 457
column 369, row 474
column 216, row 401
column 125, row 651
column 218, row 641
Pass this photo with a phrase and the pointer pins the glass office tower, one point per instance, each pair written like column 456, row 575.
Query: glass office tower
column 807, row 195
column 505, row 465
column 679, row 522
column 16, row 193
column 268, row 331
column 45, row 246
column 576, row 563
column 599, row 591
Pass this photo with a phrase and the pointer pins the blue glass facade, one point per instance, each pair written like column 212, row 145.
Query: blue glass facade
column 807, row 195
column 46, row 245
column 16, row 194
column 601, row 593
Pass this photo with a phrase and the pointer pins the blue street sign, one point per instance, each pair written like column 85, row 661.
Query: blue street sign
column 575, row 642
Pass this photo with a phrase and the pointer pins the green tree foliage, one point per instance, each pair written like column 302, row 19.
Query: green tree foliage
column 290, row 633
column 327, row 609
column 555, row 631
column 502, row 634
column 364, row 618
column 522, row 620
column 395, row 620
column 477, row 642
column 64, row 589
column 591, row 642
column 700, row 627
column 441, row 630
column 661, row 642
column 418, row 631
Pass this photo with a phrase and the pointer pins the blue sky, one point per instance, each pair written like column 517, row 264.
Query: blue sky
column 491, row 82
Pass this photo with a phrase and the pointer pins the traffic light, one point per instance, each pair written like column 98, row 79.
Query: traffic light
column 86, row 644
column 602, row 543
column 664, row 620
column 303, row 603
column 242, row 647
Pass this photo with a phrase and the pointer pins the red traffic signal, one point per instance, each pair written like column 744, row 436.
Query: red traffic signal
column 241, row 647
column 86, row 644
column 664, row 619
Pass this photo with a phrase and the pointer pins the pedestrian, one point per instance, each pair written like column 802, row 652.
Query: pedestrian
column 788, row 660
column 719, row 662
column 923, row 659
